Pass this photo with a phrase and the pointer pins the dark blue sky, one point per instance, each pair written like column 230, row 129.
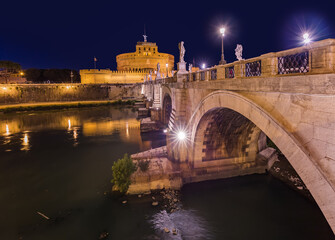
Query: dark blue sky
column 67, row 34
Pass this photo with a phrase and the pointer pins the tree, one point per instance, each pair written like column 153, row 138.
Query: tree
column 53, row 75
column 7, row 68
column 122, row 170
column 34, row 75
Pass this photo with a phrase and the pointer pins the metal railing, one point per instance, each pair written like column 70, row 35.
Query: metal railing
column 230, row 72
column 253, row 69
column 295, row 63
column 213, row 74
column 194, row 77
column 202, row 76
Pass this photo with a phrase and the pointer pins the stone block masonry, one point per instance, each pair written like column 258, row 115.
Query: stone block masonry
column 33, row 93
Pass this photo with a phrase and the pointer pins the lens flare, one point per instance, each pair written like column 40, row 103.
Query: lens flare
column 181, row 135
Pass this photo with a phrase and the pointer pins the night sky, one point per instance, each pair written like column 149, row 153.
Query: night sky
column 65, row 34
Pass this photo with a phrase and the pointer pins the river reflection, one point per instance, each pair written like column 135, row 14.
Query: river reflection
column 77, row 123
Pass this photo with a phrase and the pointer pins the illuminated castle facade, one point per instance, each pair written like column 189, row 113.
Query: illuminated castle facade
column 132, row 67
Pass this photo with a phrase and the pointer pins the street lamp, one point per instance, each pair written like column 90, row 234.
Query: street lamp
column 71, row 75
column 307, row 40
column 222, row 61
column 181, row 135
column 167, row 70
column 203, row 66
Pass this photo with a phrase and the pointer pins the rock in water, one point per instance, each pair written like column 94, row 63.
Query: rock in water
column 166, row 230
column 174, row 231
column 103, row 235
column 154, row 203
column 124, row 202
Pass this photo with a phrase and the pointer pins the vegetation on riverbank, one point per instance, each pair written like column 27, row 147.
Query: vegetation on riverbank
column 51, row 106
column 122, row 170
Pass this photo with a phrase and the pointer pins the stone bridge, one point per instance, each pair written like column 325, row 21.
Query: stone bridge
column 227, row 111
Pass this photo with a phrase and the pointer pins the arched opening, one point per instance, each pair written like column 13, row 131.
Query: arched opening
column 167, row 109
column 227, row 141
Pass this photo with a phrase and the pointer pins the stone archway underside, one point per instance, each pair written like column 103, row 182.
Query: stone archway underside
column 226, row 145
column 300, row 159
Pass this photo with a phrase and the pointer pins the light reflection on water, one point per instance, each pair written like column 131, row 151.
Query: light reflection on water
column 77, row 125
column 25, row 142
column 188, row 223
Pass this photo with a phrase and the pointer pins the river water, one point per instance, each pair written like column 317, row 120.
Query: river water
column 58, row 163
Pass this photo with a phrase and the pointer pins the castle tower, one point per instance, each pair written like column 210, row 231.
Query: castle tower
column 145, row 58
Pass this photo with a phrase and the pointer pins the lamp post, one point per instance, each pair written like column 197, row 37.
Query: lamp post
column 307, row 39
column 71, row 75
column 222, row 61
column 167, row 70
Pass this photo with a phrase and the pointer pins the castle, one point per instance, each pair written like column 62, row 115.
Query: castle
column 132, row 67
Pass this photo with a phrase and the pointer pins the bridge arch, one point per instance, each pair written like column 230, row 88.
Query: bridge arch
column 297, row 155
column 167, row 104
column 166, row 109
column 225, row 138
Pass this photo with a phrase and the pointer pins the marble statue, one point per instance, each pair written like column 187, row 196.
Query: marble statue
column 238, row 52
column 158, row 67
column 181, row 51
column 190, row 66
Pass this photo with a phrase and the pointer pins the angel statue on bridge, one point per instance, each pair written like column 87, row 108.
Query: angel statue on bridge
column 182, row 51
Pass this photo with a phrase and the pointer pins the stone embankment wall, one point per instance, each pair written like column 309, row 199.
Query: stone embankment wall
column 32, row 93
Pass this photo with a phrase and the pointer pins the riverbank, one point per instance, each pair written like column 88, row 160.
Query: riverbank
column 9, row 108
column 163, row 173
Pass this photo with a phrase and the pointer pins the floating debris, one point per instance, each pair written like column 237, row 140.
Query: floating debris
column 41, row 214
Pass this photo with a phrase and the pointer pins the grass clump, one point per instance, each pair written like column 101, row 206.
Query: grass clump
column 143, row 165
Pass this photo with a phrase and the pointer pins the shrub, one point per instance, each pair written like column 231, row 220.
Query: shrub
column 143, row 165
column 122, row 170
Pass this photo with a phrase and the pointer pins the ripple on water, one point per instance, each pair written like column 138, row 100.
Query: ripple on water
column 187, row 223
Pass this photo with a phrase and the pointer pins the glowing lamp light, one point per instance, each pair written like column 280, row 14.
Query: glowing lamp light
column 21, row 73
column 222, row 30
column 167, row 65
column 165, row 131
column 4, row 88
column 7, row 129
column 67, row 87
column 203, row 66
column 25, row 139
column 69, row 124
column 181, row 135
column 306, row 38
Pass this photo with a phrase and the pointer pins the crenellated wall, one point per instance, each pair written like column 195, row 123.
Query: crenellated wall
column 106, row 76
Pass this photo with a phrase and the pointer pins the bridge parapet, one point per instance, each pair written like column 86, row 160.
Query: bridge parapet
column 315, row 58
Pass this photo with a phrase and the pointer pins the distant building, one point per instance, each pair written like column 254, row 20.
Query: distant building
column 11, row 78
column 132, row 67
